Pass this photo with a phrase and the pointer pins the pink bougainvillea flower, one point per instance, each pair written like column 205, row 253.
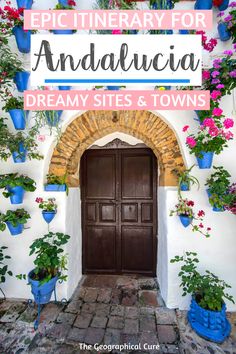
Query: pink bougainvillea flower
column 228, row 52
column 191, row 142
column 217, row 112
column 228, row 123
column 185, row 128
column 215, row 81
column 201, row 213
column 228, row 18
column 232, row 73
column 215, row 73
column 209, row 122
column 116, row 31
column 220, row 86
column 214, row 132
column 215, row 94
column 41, row 138
column 228, row 135
column 206, row 74
column 232, row 4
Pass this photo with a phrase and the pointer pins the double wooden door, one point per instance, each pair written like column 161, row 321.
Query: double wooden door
column 119, row 211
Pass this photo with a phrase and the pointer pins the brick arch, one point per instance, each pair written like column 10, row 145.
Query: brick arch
column 93, row 125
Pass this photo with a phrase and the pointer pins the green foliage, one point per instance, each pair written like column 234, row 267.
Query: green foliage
column 49, row 119
column 15, row 217
column 186, row 177
column 9, row 142
column 60, row 180
column 47, row 205
column 163, row 4
column 208, row 289
column 50, row 260
column 13, row 103
column 16, row 180
column 4, row 267
column 9, row 65
column 218, row 184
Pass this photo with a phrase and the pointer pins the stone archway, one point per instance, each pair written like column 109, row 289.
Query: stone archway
column 93, row 125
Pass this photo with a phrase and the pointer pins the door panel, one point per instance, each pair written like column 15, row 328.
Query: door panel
column 119, row 211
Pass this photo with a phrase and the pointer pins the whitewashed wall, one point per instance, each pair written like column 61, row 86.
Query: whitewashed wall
column 217, row 254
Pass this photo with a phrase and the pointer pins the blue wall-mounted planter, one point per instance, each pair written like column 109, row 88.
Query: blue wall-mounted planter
column 223, row 32
column 214, row 207
column 15, row 230
column 23, row 39
column 185, row 220
column 63, row 2
column 21, row 80
column 54, row 120
column 184, row 187
column 65, row 31
column 224, row 5
column 64, row 88
column 203, row 5
column 48, row 216
column 113, row 88
column 42, row 293
column 183, row 31
column 26, row 4
column 211, row 325
column 18, row 117
column 20, row 155
column 17, row 194
column 55, row 187
column 205, row 161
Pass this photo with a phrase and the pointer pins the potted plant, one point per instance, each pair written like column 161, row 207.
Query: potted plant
column 49, row 208
column 65, row 5
column 15, row 220
column 56, row 183
column 163, row 4
column 14, row 19
column 11, row 68
column 212, row 137
column 217, row 188
column 186, row 179
column 4, row 270
column 15, row 185
column 184, row 210
column 207, row 314
column 203, row 5
column 227, row 26
column 26, row 4
column 231, row 202
column 15, row 107
column 50, row 119
column 50, row 263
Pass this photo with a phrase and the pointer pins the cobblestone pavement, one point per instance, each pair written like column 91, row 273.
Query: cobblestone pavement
column 108, row 310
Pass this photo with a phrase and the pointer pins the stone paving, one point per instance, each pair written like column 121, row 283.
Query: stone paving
column 108, row 310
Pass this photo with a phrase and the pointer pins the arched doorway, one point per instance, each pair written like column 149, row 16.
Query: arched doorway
column 119, row 209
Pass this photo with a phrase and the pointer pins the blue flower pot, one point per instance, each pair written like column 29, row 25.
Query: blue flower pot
column 65, row 31
column 133, row 31
column 63, row 2
column 223, row 32
column 206, row 160
column 185, row 220
column 48, row 216
column 23, row 39
column 203, row 5
column 55, row 187
column 198, row 117
column 42, row 293
column 211, row 325
column 224, row 5
column 18, row 117
column 17, row 194
column 184, row 186
column 184, row 31
column 53, row 121
column 26, row 4
column 15, row 230
column 113, row 88
column 214, row 207
column 21, row 80
column 64, row 88
column 20, row 155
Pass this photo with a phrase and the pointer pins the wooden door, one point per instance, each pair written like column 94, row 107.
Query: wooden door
column 119, row 211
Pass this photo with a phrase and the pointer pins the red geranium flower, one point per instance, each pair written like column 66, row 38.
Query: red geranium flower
column 201, row 213
column 190, row 203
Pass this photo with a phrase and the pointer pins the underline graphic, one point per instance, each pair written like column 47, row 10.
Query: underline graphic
column 117, row 81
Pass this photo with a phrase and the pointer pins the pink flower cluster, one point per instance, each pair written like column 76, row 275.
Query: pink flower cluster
column 210, row 45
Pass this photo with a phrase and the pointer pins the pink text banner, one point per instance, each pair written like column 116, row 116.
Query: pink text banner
column 119, row 100
column 111, row 19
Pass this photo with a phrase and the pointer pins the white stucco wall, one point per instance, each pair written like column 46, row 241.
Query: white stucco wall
column 217, row 254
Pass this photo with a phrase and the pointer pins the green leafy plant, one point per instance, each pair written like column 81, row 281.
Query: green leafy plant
column 49, row 119
column 60, row 180
column 13, row 103
column 207, row 289
column 230, row 20
column 4, row 136
column 50, row 259
column 9, row 66
column 218, row 184
column 186, row 177
column 4, row 271
column 16, row 180
column 15, row 217
column 47, row 205
column 163, row 4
